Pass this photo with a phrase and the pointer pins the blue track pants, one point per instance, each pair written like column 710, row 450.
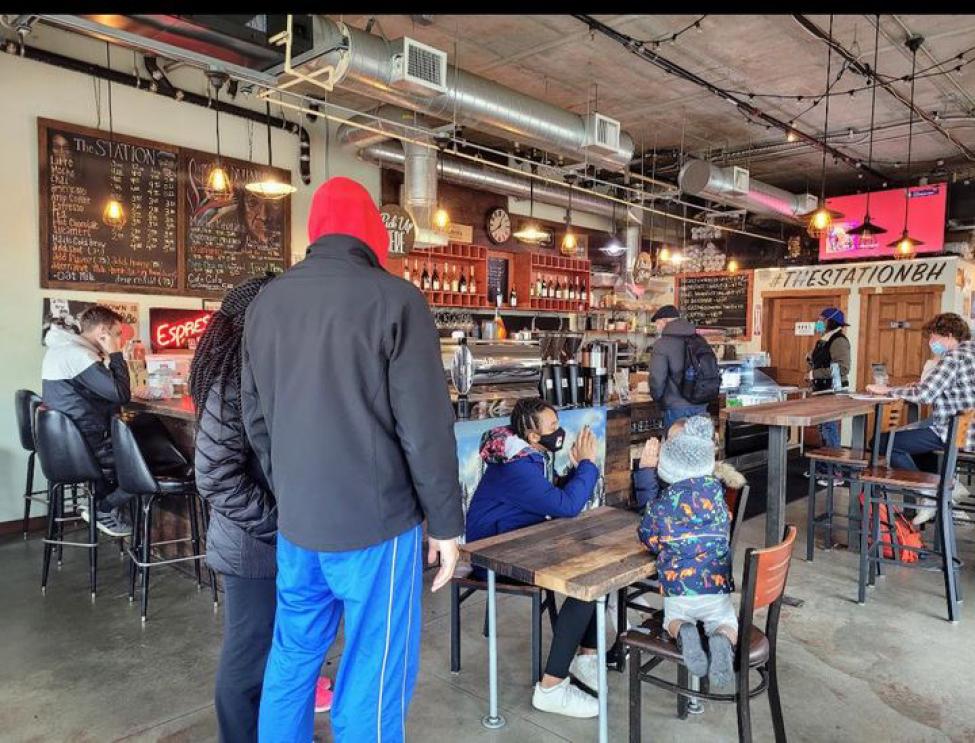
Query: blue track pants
column 377, row 590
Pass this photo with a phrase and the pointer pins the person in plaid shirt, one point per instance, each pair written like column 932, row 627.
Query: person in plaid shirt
column 949, row 388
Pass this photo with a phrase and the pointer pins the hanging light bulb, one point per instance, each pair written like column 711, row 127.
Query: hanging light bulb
column 268, row 187
column 218, row 182
column 821, row 220
column 530, row 232
column 441, row 219
column 733, row 265
column 113, row 214
column 907, row 246
column 664, row 255
column 867, row 228
column 569, row 241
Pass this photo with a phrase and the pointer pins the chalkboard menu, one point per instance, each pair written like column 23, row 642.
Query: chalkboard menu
column 497, row 278
column 79, row 170
column 176, row 238
column 717, row 300
column 231, row 238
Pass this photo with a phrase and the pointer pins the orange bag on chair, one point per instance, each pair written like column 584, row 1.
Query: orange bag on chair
column 908, row 535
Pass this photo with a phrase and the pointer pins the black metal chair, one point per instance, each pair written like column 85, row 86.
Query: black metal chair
column 66, row 461
column 462, row 588
column 766, row 573
column 736, row 499
column 137, row 478
column 25, row 406
column 892, row 489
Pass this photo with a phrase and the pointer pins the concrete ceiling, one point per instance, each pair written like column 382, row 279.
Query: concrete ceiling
column 555, row 58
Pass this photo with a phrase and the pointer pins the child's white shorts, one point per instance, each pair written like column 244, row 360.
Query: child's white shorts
column 713, row 609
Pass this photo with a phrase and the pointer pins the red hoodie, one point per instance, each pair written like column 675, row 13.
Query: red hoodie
column 342, row 206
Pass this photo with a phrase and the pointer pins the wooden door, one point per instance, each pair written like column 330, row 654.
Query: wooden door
column 892, row 324
column 788, row 351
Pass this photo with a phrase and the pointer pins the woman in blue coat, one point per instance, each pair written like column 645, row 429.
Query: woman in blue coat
column 513, row 493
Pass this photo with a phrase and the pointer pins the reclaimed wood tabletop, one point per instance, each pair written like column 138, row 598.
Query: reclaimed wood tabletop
column 809, row 411
column 585, row 557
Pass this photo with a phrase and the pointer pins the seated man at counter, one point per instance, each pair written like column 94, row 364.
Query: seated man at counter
column 949, row 387
column 85, row 377
column 513, row 493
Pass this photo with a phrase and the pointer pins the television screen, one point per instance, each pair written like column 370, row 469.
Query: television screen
column 926, row 222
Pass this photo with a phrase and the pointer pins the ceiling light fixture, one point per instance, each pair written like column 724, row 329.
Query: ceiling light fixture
column 868, row 228
column 531, row 232
column 569, row 240
column 907, row 245
column 822, row 219
column 614, row 247
column 441, row 218
column 270, row 187
column 113, row 214
column 218, row 182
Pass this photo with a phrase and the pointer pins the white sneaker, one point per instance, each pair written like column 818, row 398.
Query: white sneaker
column 926, row 513
column 585, row 668
column 565, row 699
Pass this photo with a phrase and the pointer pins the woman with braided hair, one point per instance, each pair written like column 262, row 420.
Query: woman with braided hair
column 243, row 523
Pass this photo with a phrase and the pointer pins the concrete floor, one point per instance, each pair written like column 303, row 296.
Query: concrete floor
column 71, row 670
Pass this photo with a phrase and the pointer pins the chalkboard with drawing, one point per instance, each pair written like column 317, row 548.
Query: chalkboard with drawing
column 717, row 300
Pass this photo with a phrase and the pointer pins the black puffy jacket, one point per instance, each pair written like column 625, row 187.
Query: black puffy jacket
column 243, row 513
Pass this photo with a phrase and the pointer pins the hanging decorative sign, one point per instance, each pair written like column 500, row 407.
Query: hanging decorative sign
column 401, row 229
column 171, row 329
column 460, row 233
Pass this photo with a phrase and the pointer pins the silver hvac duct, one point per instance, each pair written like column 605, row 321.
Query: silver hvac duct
column 419, row 196
column 364, row 64
column 633, row 243
column 701, row 178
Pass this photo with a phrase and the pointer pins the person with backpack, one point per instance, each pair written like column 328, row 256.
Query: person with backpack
column 684, row 373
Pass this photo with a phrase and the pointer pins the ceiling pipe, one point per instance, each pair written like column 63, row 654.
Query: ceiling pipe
column 634, row 243
column 703, row 179
column 364, row 64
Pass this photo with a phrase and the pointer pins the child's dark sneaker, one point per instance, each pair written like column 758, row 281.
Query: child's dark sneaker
column 695, row 658
column 722, row 671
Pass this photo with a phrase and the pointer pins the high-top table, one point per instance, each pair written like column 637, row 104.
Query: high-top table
column 586, row 557
column 810, row 411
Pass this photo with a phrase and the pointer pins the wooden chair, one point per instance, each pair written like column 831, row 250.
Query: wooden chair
column 766, row 573
column 890, row 489
column 462, row 588
column 736, row 499
column 841, row 463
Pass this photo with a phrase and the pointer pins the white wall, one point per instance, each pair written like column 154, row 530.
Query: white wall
column 32, row 89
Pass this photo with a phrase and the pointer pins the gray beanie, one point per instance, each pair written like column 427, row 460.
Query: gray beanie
column 690, row 453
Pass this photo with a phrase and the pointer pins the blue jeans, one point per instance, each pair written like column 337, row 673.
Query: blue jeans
column 675, row 414
column 907, row 443
column 831, row 434
column 377, row 590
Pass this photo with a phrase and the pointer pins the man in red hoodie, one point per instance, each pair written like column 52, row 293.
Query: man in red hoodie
column 346, row 406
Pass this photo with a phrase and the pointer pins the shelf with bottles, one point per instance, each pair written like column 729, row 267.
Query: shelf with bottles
column 553, row 283
column 450, row 276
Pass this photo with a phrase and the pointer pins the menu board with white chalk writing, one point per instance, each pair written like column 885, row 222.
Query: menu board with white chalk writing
column 717, row 300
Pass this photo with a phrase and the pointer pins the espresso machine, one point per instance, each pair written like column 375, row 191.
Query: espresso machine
column 598, row 367
column 561, row 381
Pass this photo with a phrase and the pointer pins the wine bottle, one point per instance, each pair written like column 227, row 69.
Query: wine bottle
column 455, row 281
column 538, row 285
column 514, row 298
column 445, row 278
column 572, row 290
column 462, row 283
column 416, row 274
column 472, row 283
column 425, row 278
column 531, row 289
column 436, row 279
column 406, row 270
column 558, row 288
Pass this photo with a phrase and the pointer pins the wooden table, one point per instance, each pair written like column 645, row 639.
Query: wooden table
column 810, row 411
column 586, row 557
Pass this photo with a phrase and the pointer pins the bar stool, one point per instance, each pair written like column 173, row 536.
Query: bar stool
column 26, row 403
column 887, row 488
column 766, row 574
column 66, row 460
column 136, row 478
column 841, row 463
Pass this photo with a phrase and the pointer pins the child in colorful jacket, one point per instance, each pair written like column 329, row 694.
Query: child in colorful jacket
column 686, row 527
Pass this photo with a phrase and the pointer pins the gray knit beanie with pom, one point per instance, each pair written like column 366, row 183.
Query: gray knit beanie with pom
column 690, row 453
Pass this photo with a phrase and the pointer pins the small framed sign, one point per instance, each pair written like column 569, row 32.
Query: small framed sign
column 401, row 229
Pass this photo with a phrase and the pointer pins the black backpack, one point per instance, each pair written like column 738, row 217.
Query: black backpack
column 701, row 380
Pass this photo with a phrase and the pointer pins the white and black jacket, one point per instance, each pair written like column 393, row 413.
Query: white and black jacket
column 77, row 382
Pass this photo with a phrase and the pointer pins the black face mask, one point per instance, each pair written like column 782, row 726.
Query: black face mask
column 553, row 441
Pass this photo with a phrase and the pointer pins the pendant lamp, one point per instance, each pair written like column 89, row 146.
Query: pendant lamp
column 113, row 214
column 218, row 182
column 822, row 219
column 906, row 245
column 569, row 241
column 868, row 228
column 270, row 187
column 531, row 233
column 441, row 218
column 614, row 247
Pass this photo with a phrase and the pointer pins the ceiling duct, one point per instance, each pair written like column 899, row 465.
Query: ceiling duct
column 419, row 194
column 369, row 65
column 633, row 242
column 733, row 186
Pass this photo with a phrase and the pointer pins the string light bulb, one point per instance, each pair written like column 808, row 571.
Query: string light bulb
column 441, row 219
column 569, row 243
column 733, row 266
column 664, row 255
column 114, row 215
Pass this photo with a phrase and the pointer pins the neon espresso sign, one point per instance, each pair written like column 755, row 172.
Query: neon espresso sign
column 173, row 329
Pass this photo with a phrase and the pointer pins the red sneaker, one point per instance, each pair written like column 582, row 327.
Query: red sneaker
column 323, row 694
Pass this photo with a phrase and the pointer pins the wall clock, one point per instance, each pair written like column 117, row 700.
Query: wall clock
column 498, row 225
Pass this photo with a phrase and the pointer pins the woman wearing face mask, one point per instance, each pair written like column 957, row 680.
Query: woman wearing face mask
column 513, row 493
column 833, row 347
